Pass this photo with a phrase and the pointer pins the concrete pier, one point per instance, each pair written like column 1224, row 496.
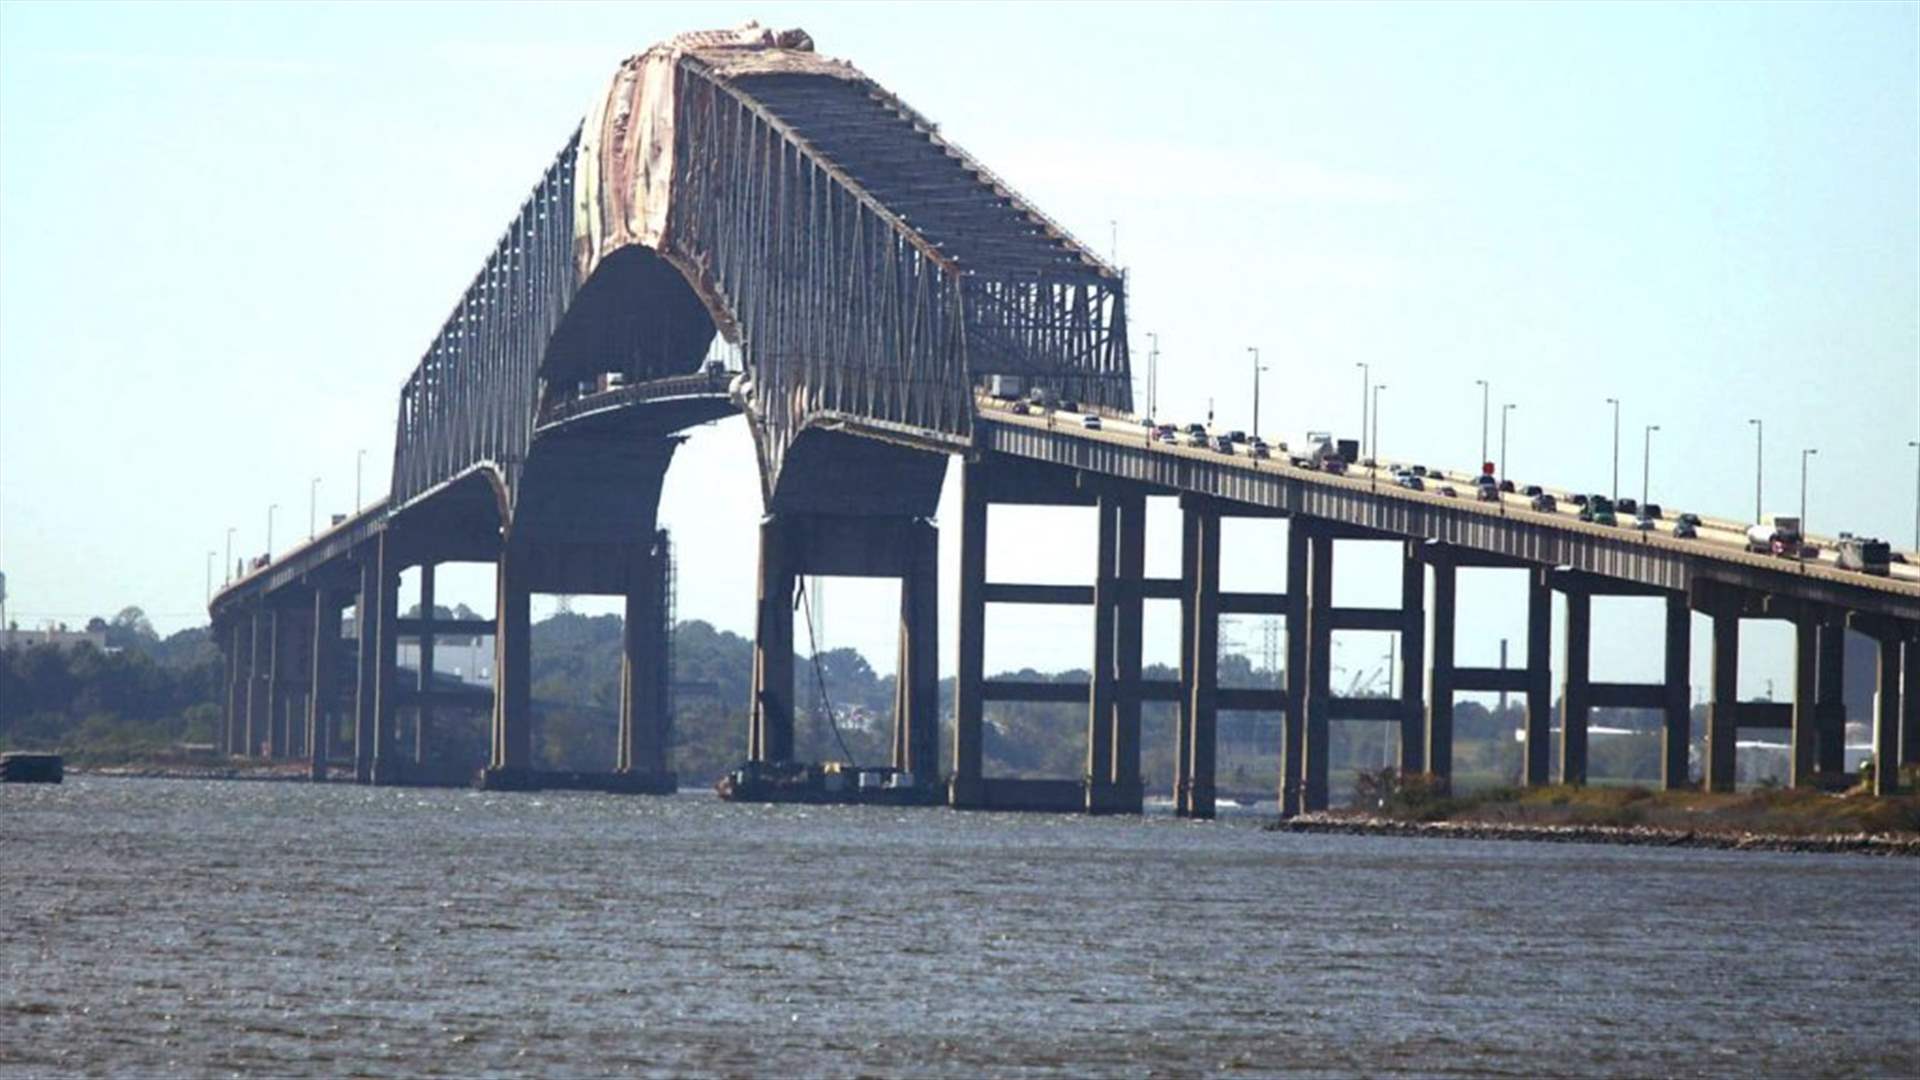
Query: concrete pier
column 323, row 686
column 511, row 760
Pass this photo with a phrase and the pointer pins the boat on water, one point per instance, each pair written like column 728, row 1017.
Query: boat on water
column 823, row 782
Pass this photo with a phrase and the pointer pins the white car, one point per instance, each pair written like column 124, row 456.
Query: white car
column 1090, row 422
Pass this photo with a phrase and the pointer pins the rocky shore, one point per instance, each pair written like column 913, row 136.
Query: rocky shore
column 1634, row 835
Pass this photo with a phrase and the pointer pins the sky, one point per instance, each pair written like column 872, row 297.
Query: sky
column 228, row 231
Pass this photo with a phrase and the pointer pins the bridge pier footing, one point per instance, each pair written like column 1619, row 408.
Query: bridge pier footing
column 644, row 673
column 511, row 764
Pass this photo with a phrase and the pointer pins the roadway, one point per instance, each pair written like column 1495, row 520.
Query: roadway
column 1717, row 537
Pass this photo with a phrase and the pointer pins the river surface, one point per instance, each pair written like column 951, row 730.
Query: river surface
column 180, row 927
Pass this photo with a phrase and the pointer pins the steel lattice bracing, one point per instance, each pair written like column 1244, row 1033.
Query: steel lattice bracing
column 865, row 268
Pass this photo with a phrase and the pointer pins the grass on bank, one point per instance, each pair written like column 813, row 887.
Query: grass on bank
column 1785, row 811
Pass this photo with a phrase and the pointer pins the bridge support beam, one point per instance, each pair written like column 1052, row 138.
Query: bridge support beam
column 388, row 767
column 1830, row 706
column 239, row 675
column 1539, row 681
column 1293, row 769
column 511, row 761
column 1442, row 675
column 644, row 677
column 1194, row 793
column 366, row 664
column 916, row 706
column 323, row 686
column 1126, row 792
column 1723, row 708
column 423, row 680
column 967, row 786
column 1316, row 737
column 1414, row 755
column 770, row 734
column 1576, row 689
column 1804, row 737
column 1676, row 726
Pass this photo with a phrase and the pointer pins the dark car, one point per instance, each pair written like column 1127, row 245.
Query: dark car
column 1224, row 444
column 1506, row 486
column 1577, row 499
column 1487, row 493
column 1651, row 510
column 1410, row 482
column 1626, row 506
column 1419, row 470
column 1532, row 489
column 1684, row 530
column 1069, row 405
column 1449, row 492
column 1689, row 519
column 1021, row 408
column 1236, row 436
column 1544, row 503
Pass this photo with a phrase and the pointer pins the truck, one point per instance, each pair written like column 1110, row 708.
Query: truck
column 1006, row 387
column 1780, row 538
column 1865, row 554
column 1322, row 451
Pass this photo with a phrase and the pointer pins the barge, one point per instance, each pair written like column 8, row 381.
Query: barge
column 824, row 782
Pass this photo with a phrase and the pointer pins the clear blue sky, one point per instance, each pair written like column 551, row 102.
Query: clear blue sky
column 227, row 231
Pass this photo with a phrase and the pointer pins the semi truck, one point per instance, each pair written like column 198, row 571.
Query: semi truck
column 1322, row 451
column 1780, row 538
column 1865, row 554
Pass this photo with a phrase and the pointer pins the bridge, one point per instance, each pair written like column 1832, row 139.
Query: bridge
column 874, row 281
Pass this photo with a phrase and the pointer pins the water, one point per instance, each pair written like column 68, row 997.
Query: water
column 180, row 927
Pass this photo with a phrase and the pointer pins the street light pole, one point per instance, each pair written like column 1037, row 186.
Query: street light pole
column 1759, row 432
column 1377, row 387
column 1153, row 376
column 359, row 459
column 1484, row 390
column 1504, row 410
column 1366, row 380
column 313, row 502
column 229, row 571
column 1257, row 369
column 1615, row 402
column 1915, row 443
column 1646, row 465
column 210, row 554
column 270, row 510
column 1804, row 455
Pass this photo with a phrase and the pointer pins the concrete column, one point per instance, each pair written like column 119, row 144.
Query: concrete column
column 1201, row 770
column 1886, row 718
column 1293, row 731
column 423, row 712
column 387, row 763
column 1413, row 639
column 1100, row 688
column 323, row 687
column 968, row 786
column 1316, row 738
column 1537, row 770
column 1723, row 710
column 1805, row 736
column 1183, row 718
column 512, row 754
column 1676, row 730
column 1576, row 695
column 233, row 739
column 277, row 676
column 643, row 723
column 770, row 735
column 1129, row 619
column 919, row 671
column 259, row 663
column 1440, row 676
column 367, row 666
column 1830, row 751
column 1910, row 703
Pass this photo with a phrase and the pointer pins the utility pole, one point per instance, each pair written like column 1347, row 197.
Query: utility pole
column 1615, row 402
column 1504, row 410
column 313, row 503
column 229, row 554
column 1759, row 431
column 1484, row 389
column 210, row 554
column 359, row 459
column 1646, row 465
column 1257, row 369
column 1915, row 443
column 270, row 511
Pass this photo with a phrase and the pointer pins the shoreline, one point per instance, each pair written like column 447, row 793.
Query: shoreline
column 1876, row 844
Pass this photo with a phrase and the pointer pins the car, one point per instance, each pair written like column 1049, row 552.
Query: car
column 1533, row 490
column 1223, row 444
column 1809, row 550
column 1598, row 511
column 1196, row 438
column 1626, row 506
column 1418, row 470
column 1299, row 462
column 1643, row 523
column 1544, row 503
column 1487, row 493
column 1506, row 486
column 1258, row 449
column 1236, row 436
column 1690, row 519
column 1408, row 479
column 1196, row 429
column 1170, row 436
column 1437, row 474
column 1069, row 406
column 1449, row 492
column 1021, row 408
column 1684, row 530
column 1651, row 510
column 1577, row 499
column 1090, row 422
column 1334, row 463
column 1366, row 463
